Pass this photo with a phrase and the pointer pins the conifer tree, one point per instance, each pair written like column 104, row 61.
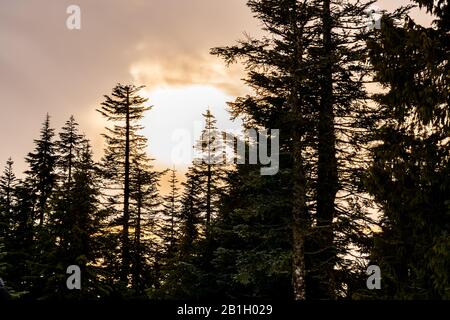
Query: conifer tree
column 34, row 202
column 21, row 245
column 8, row 202
column 409, row 177
column 171, row 219
column 145, row 206
column 170, row 234
column 77, row 224
column 182, row 279
column 252, row 237
column 124, row 108
column 191, row 210
column 8, row 183
column 41, row 172
column 208, row 169
column 199, row 208
column 309, row 76
column 68, row 147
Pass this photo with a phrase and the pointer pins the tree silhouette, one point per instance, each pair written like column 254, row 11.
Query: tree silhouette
column 124, row 108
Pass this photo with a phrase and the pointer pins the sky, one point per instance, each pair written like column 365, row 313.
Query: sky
column 162, row 44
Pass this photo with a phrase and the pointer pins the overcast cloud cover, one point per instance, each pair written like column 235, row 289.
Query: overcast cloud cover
column 44, row 67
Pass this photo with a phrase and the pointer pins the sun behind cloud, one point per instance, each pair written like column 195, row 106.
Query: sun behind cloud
column 175, row 121
column 189, row 70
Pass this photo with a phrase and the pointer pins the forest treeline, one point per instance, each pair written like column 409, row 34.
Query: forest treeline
column 364, row 176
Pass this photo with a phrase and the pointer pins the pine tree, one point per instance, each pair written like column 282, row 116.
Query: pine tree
column 183, row 277
column 309, row 76
column 170, row 235
column 191, row 213
column 199, row 208
column 171, row 220
column 68, row 148
column 409, row 177
column 146, row 205
column 41, row 173
column 77, row 224
column 124, row 108
column 61, row 232
column 252, row 237
column 8, row 201
column 21, row 245
column 35, row 204
column 208, row 168
column 8, row 183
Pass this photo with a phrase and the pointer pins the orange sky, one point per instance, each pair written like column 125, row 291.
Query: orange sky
column 163, row 44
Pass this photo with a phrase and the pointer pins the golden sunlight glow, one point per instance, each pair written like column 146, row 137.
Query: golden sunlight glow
column 175, row 121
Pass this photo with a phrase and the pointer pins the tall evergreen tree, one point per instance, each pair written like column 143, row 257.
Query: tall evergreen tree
column 184, row 277
column 170, row 235
column 124, row 108
column 208, row 167
column 171, row 217
column 8, row 183
column 252, row 237
column 41, row 173
column 146, row 205
column 35, row 194
column 409, row 177
column 21, row 250
column 68, row 148
column 8, row 202
column 309, row 76
column 77, row 226
column 191, row 213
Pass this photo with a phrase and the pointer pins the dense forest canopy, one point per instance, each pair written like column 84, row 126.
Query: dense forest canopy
column 363, row 177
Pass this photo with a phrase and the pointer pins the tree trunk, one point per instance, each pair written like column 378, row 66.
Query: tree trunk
column 300, row 223
column 327, row 167
column 208, row 200
column 69, row 179
column 172, row 225
column 126, row 199
column 300, row 216
column 137, row 270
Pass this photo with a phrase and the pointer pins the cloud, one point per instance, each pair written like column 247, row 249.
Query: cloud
column 186, row 70
column 47, row 68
